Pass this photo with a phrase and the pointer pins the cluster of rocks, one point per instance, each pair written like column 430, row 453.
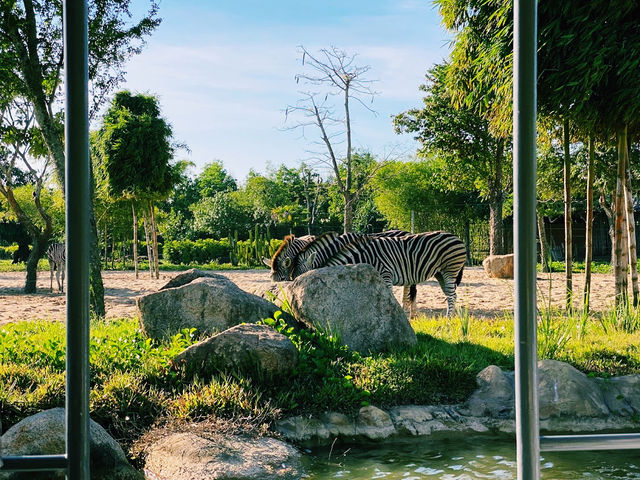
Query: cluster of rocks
column 352, row 303
column 569, row 402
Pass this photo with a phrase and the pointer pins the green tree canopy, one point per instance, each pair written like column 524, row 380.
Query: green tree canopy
column 213, row 179
column 136, row 149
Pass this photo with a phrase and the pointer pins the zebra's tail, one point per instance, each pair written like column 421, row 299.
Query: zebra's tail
column 459, row 277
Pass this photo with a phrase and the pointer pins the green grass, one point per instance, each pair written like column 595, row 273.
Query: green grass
column 7, row 266
column 578, row 267
column 133, row 385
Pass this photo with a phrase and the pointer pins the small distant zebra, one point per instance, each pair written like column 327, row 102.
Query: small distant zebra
column 282, row 260
column 57, row 257
column 408, row 260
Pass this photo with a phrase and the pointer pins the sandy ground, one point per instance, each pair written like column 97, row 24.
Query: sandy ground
column 484, row 296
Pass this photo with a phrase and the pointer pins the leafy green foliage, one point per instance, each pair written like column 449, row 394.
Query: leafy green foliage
column 221, row 214
column 201, row 251
column 213, row 179
column 133, row 383
column 135, row 147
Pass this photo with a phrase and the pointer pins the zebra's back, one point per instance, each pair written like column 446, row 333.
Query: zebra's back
column 406, row 260
column 317, row 253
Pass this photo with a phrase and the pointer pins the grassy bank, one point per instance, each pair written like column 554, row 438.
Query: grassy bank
column 133, row 386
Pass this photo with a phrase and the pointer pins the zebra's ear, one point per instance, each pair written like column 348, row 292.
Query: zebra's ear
column 309, row 261
column 266, row 261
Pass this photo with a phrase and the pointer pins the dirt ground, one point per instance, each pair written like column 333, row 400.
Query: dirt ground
column 484, row 296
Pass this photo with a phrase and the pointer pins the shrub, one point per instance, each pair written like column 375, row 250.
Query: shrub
column 202, row 251
column 6, row 253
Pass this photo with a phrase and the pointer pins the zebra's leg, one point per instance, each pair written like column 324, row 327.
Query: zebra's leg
column 50, row 276
column 64, row 268
column 58, row 276
column 405, row 298
column 448, row 286
column 413, row 293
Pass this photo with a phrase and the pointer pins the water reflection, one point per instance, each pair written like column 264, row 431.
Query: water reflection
column 464, row 458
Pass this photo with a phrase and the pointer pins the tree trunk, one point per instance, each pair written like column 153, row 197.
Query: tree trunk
column 38, row 250
column 621, row 254
column 631, row 240
column 154, row 236
column 467, row 236
column 568, row 237
column 348, row 212
column 588, row 228
column 145, row 214
column 612, row 228
column 39, row 238
column 135, row 239
column 96, row 287
column 106, row 257
column 544, row 246
column 496, row 230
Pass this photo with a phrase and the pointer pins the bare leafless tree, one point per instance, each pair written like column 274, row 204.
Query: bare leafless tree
column 334, row 73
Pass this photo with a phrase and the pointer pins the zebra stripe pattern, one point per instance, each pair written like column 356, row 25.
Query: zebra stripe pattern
column 315, row 255
column 282, row 261
column 57, row 256
column 411, row 259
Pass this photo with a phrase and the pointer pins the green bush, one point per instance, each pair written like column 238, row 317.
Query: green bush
column 200, row 251
column 6, row 253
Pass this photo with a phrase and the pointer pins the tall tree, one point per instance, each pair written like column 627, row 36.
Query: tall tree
column 22, row 151
column 336, row 72
column 31, row 61
column 135, row 145
column 213, row 179
column 474, row 155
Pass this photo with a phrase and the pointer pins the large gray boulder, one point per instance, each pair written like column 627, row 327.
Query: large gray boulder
column 44, row 434
column 187, row 456
column 256, row 349
column 495, row 395
column 210, row 304
column 565, row 391
column 622, row 394
column 188, row 277
column 352, row 303
column 499, row 266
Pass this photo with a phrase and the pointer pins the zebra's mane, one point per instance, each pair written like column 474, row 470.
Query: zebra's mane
column 285, row 244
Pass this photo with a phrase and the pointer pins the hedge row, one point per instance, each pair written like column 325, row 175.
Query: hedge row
column 6, row 253
column 245, row 252
column 200, row 251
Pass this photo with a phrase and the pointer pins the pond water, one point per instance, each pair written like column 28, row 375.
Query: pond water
column 463, row 458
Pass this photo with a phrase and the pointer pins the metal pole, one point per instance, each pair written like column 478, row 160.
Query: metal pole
column 524, row 170
column 608, row 441
column 77, row 223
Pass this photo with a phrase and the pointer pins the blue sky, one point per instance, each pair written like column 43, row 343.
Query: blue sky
column 224, row 72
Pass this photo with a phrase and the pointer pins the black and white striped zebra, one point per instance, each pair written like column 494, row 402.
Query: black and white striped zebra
column 407, row 260
column 328, row 244
column 57, row 256
column 315, row 254
column 282, row 260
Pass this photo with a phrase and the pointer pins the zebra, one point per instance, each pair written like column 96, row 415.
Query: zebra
column 315, row 254
column 57, row 256
column 282, row 259
column 406, row 260
column 325, row 246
